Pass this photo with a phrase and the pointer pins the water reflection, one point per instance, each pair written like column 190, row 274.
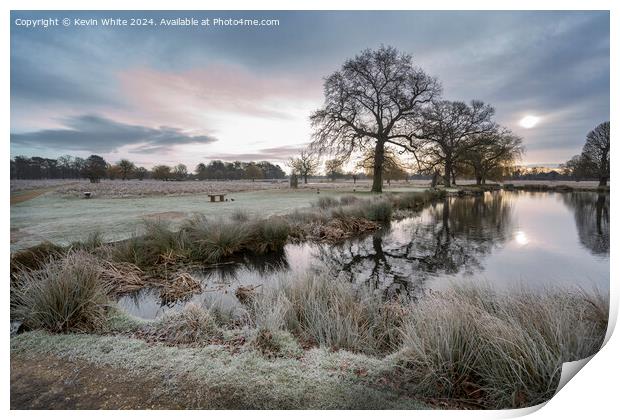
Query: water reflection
column 505, row 239
column 592, row 219
column 447, row 238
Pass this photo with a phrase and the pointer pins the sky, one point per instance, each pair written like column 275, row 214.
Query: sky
column 168, row 95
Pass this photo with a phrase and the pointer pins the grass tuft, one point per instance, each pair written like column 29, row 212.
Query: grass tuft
column 64, row 295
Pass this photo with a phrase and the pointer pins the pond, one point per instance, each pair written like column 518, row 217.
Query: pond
column 502, row 239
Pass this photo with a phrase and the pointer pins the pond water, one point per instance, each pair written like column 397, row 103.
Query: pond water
column 502, row 239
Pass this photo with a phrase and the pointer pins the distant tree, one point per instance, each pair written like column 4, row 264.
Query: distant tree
column 371, row 102
column 114, row 171
column 201, row 171
column 448, row 130
column 333, row 169
column 252, row 171
column 179, row 172
column 161, row 172
column 141, row 172
column 305, row 165
column 492, row 153
column 94, row 168
column 271, row 171
column 126, row 168
column 595, row 153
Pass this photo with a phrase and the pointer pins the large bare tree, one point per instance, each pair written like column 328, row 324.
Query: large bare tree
column 596, row 152
column 372, row 101
column 447, row 130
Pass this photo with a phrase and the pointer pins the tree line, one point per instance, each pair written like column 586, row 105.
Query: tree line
column 96, row 168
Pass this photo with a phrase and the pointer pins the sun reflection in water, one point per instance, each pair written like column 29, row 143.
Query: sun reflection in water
column 521, row 238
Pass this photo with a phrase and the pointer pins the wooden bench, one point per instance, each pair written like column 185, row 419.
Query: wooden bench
column 213, row 196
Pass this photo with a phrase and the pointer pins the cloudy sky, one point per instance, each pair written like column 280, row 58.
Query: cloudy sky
column 191, row 94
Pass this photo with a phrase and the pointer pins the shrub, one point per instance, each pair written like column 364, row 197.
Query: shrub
column 64, row 295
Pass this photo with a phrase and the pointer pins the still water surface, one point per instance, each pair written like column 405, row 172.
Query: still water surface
column 502, row 239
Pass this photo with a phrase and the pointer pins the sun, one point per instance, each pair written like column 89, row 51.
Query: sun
column 529, row 121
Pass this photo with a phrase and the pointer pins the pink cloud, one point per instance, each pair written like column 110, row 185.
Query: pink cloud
column 191, row 97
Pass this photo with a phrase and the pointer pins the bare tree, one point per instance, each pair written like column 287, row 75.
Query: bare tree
column 447, row 130
column 304, row 165
column 596, row 152
column 370, row 102
column 493, row 151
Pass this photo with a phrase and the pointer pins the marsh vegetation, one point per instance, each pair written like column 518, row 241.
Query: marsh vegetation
column 468, row 344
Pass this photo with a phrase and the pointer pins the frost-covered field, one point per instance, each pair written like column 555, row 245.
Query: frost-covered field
column 35, row 184
column 147, row 188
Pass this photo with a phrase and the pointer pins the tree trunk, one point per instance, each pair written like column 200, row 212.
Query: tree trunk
column 305, row 178
column 478, row 180
column 377, row 176
column 602, row 181
column 447, row 173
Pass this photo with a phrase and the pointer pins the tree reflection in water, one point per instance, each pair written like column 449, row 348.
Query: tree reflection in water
column 447, row 238
column 591, row 212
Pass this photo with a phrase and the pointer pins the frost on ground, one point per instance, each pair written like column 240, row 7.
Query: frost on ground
column 215, row 377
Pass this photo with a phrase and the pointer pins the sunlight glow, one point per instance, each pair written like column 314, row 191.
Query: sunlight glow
column 529, row 121
column 521, row 238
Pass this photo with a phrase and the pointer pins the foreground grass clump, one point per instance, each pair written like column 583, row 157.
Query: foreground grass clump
column 191, row 326
column 157, row 245
column 70, row 294
column 330, row 313
column 415, row 200
column 35, row 257
column 495, row 350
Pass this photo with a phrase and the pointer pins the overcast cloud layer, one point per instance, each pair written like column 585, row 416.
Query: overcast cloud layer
column 168, row 95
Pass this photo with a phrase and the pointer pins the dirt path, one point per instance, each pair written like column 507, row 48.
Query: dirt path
column 53, row 383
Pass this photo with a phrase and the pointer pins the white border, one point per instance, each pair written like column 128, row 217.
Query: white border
column 592, row 394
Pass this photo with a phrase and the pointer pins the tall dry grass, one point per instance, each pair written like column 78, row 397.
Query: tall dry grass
column 498, row 350
column 64, row 295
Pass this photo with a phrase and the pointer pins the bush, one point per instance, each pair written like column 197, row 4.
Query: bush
column 64, row 295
